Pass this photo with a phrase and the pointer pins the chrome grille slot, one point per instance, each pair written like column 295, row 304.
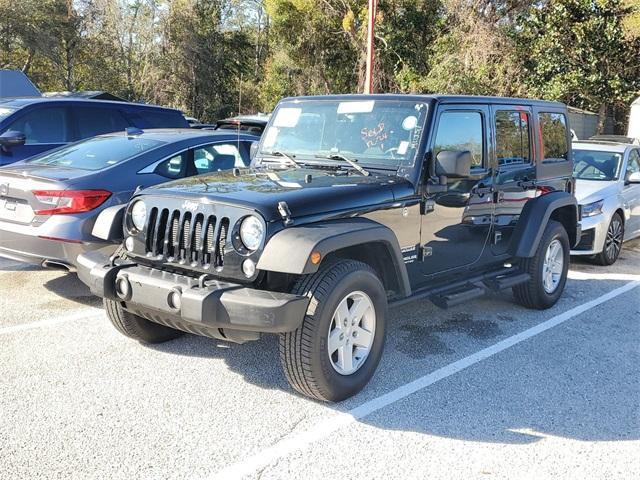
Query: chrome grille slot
column 197, row 240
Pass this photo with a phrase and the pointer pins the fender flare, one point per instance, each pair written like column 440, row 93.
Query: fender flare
column 108, row 225
column 534, row 218
column 288, row 251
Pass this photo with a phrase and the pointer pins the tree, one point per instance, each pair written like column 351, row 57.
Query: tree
column 577, row 51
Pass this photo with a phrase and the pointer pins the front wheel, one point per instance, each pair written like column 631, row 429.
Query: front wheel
column 136, row 327
column 336, row 350
column 548, row 270
column 612, row 242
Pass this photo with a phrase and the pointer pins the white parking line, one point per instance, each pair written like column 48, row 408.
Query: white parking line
column 286, row 446
column 86, row 313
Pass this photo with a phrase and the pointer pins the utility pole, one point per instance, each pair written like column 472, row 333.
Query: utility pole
column 368, row 82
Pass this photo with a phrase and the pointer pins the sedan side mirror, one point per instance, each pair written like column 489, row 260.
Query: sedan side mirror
column 253, row 150
column 453, row 163
column 12, row 138
column 633, row 178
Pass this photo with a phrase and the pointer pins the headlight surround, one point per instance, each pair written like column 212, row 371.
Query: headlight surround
column 591, row 209
column 139, row 215
column 251, row 232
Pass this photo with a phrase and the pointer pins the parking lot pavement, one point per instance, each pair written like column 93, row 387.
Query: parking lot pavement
column 486, row 390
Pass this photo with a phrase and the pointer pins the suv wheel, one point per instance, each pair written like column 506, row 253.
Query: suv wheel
column 336, row 350
column 137, row 327
column 612, row 243
column 548, row 269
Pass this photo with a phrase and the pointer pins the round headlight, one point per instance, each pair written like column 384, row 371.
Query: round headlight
column 251, row 232
column 139, row 214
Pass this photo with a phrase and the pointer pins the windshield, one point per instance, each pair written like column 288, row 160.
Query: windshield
column 596, row 165
column 96, row 153
column 5, row 112
column 381, row 133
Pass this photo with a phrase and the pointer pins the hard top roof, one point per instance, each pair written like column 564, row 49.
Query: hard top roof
column 439, row 98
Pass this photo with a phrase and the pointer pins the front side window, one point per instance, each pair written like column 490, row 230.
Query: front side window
column 512, row 138
column 553, row 127
column 460, row 131
column 382, row 133
column 96, row 153
column 216, row 158
column 596, row 165
column 43, row 125
column 634, row 162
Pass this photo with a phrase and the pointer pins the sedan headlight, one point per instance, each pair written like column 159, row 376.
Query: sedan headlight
column 139, row 215
column 251, row 232
column 591, row 209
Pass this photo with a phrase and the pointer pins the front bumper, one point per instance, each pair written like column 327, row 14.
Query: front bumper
column 594, row 232
column 211, row 308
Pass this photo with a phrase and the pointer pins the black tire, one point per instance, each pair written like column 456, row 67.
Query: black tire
column 532, row 294
column 303, row 352
column 137, row 327
column 612, row 243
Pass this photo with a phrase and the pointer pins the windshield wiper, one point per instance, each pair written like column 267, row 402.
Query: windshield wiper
column 339, row 156
column 289, row 159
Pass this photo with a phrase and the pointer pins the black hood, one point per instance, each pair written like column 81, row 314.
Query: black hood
column 327, row 192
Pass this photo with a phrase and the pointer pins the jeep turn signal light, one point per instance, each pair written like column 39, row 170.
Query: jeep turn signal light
column 315, row 257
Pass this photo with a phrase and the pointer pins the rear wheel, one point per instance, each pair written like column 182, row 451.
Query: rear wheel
column 612, row 242
column 548, row 270
column 136, row 327
column 336, row 350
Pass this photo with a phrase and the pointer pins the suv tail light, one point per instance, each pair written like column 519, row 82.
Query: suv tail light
column 70, row 201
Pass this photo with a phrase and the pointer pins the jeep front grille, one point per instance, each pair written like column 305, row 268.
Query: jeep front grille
column 185, row 238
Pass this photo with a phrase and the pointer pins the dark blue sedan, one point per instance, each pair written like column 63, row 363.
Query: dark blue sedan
column 33, row 125
column 49, row 203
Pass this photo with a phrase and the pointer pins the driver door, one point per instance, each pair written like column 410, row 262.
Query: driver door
column 457, row 220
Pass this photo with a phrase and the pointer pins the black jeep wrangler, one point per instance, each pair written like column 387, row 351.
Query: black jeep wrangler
column 352, row 204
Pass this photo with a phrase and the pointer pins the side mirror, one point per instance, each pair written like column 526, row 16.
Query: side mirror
column 633, row 178
column 253, row 150
column 12, row 138
column 453, row 163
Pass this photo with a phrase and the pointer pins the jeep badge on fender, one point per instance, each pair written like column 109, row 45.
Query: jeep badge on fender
column 353, row 204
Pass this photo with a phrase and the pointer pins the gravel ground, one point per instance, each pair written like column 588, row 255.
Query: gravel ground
column 78, row 400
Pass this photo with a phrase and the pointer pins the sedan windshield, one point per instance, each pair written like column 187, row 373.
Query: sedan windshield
column 596, row 165
column 96, row 153
column 380, row 133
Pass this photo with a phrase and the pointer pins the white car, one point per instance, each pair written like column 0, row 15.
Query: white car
column 608, row 191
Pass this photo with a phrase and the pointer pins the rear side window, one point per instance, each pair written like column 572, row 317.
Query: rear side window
column 215, row 158
column 459, row 130
column 96, row 153
column 173, row 167
column 94, row 121
column 148, row 118
column 512, row 138
column 44, row 125
column 553, row 127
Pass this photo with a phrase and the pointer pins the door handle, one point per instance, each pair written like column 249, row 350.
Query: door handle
column 481, row 189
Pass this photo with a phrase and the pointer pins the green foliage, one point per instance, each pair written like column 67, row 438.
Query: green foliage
column 213, row 58
column 577, row 51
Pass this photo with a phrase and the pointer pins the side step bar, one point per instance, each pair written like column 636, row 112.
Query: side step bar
column 455, row 293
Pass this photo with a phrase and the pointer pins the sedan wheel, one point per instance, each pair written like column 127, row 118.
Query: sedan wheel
column 612, row 243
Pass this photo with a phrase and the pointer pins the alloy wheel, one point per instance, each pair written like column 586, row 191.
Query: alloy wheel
column 553, row 266
column 351, row 333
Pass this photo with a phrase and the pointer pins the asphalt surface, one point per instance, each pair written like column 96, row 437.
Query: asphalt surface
column 485, row 390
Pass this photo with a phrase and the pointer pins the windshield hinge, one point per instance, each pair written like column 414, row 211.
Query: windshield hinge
column 285, row 213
